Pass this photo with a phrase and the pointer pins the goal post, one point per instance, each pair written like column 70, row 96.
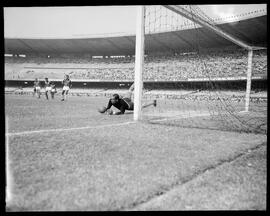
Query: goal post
column 139, row 61
column 249, row 73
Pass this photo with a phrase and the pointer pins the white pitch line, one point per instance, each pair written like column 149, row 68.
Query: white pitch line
column 182, row 117
column 190, row 116
column 8, row 176
column 66, row 129
column 101, row 126
column 244, row 111
column 9, row 181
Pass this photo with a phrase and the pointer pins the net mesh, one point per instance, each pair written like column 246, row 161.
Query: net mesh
column 203, row 87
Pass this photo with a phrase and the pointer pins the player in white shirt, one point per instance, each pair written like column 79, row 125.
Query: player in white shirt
column 48, row 88
column 37, row 88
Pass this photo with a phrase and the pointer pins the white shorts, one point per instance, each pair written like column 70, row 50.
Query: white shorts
column 48, row 88
column 37, row 88
column 53, row 90
column 65, row 88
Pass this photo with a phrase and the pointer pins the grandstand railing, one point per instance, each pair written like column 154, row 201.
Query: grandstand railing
column 258, row 83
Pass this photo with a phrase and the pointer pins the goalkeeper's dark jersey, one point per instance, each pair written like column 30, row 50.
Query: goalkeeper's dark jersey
column 123, row 104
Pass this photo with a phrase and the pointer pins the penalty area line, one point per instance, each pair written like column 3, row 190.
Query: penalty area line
column 181, row 117
column 191, row 115
column 67, row 129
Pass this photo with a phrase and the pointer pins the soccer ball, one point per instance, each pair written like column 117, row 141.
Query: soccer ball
column 102, row 110
column 109, row 112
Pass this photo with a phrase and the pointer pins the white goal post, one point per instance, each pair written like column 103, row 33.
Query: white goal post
column 139, row 61
column 249, row 74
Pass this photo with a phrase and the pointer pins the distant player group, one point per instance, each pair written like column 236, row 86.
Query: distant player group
column 50, row 88
column 122, row 103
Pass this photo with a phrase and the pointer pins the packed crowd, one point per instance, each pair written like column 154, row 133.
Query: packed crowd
column 226, row 63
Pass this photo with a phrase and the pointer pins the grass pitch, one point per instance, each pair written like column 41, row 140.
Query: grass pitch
column 78, row 159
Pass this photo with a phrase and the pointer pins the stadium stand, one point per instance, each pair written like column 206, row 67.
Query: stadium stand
column 219, row 63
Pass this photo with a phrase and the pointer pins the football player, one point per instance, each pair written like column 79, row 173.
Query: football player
column 48, row 88
column 123, row 103
column 37, row 88
column 66, row 87
column 53, row 91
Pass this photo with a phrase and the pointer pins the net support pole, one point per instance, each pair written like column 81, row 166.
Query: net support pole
column 249, row 72
column 139, row 61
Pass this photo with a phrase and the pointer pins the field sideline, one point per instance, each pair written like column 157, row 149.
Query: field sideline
column 67, row 156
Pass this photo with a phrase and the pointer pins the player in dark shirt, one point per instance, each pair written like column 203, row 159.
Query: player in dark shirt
column 123, row 104
column 66, row 87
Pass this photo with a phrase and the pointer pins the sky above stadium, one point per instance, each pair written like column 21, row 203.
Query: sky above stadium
column 68, row 22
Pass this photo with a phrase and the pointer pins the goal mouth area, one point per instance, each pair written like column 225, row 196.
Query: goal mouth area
column 238, row 121
column 174, row 114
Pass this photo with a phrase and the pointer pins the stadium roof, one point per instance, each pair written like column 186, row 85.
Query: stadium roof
column 253, row 31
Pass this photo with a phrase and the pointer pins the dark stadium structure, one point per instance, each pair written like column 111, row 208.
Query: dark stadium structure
column 257, row 84
column 253, row 31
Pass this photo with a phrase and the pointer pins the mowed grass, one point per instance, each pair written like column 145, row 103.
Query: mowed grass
column 106, row 167
column 235, row 185
column 27, row 113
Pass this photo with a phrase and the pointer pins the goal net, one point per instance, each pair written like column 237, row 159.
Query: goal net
column 198, row 78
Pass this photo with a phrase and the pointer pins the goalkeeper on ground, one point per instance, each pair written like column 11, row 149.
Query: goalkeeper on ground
column 123, row 103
